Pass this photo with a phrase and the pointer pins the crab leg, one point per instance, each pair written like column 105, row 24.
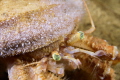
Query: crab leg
column 92, row 23
column 92, row 44
column 96, row 67
column 33, row 71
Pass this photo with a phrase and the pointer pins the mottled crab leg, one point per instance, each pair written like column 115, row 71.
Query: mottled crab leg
column 91, row 64
column 96, row 67
column 31, row 71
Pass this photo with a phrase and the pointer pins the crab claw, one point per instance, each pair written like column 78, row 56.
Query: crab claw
column 74, row 63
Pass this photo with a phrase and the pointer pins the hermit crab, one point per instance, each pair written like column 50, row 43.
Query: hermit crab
column 39, row 41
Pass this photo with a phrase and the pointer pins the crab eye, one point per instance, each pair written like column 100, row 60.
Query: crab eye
column 81, row 34
column 56, row 56
column 76, row 37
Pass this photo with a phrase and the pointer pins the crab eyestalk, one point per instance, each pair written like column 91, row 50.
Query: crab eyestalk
column 56, row 56
column 76, row 37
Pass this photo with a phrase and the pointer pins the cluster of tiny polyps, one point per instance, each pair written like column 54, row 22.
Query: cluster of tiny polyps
column 39, row 41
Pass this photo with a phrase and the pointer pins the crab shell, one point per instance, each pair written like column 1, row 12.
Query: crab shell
column 28, row 25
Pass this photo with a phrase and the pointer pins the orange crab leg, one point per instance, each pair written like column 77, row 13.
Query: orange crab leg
column 93, row 44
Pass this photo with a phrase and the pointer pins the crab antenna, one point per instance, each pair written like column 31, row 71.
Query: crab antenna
column 91, row 20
